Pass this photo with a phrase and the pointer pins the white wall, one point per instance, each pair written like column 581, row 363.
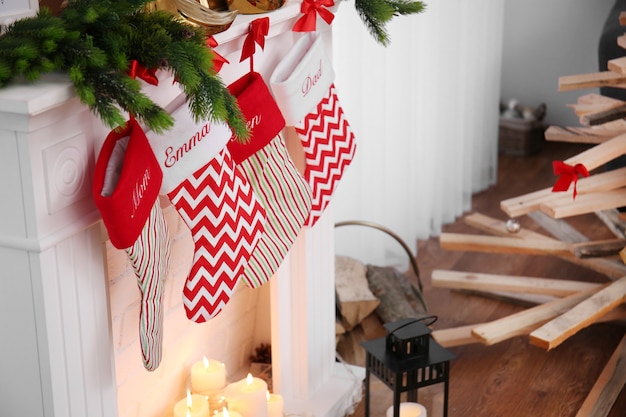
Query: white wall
column 544, row 40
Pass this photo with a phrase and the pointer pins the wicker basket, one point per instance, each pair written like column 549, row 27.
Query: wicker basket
column 520, row 137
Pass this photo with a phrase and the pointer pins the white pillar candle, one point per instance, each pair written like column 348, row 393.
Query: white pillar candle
column 192, row 406
column 208, row 376
column 226, row 413
column 275, row 405
column 247, row 397
column 409, row 410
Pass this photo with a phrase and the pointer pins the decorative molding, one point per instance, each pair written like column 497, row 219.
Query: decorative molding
column 65, row 170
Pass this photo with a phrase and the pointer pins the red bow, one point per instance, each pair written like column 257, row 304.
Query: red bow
column 139, row 71
column 218, row 60
column 310, row 9
column 259, row 29
column 568, row 174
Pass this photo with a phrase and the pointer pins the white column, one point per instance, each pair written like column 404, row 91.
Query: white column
column 54, row 301
column 303, row 330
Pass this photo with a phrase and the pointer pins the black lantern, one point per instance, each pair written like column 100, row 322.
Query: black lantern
column 406, row 359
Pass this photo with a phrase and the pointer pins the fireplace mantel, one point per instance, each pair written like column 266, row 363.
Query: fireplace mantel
column 57, row 358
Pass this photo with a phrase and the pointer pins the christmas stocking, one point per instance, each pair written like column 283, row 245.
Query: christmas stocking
column 283, row 192
column 126, row 185
column 215, row 200
column 303, row 84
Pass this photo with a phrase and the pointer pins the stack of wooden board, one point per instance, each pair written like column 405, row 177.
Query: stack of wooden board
column 560, row 307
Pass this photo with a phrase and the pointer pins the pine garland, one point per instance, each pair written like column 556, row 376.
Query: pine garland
column 375, row 15
column 95, row 41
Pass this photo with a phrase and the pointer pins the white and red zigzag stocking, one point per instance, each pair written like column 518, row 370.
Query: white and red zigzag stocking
column 218, row 205
column 303, row 84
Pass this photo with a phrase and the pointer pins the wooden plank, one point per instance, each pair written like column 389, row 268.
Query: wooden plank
column 604, row 116
column 617, row 65
column 606, row 247
column 497, row 244
column 455, row 336
column 498, row 227
column 590, row 80
column 522, row 299
column 592, row 135
column 565, row 206
column 512, row 283
column 593, row 103
column 613, row 219
column 600, row 154
column 524, row 204
column 554, row 332
column 611, row 268
column 622, row 18
column 621, row 41
column 608, row 386
column 525, row 321
column 595, row 99
column 560, row 229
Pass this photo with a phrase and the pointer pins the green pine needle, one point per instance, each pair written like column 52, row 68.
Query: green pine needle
column 375, row 14
column 94, row 41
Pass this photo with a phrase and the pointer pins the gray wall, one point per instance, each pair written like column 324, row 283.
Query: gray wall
column 544, row 40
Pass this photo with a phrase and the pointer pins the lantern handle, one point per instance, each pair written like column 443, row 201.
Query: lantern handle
column 415, row 320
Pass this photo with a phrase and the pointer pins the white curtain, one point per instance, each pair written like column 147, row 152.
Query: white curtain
column 425, row 114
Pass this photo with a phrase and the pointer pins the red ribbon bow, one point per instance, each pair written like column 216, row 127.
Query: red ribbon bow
column 139, row 71
column 568, row 174
column 310, row 9
column 218, row 60
column 259, row 28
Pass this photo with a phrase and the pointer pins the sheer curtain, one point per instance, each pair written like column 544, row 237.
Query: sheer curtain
column 425, row 113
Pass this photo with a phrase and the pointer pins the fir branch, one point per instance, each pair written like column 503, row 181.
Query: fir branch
column 406, row 7
column 375, row 15
column 95, row 41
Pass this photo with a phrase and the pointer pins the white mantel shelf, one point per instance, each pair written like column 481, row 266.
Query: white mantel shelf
column 57, row 358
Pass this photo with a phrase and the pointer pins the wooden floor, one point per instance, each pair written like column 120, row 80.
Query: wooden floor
column 512, row 378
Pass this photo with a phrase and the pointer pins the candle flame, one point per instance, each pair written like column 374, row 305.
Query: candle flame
column 225, row 412
column 188, row 399
column 267, row 395
column 249, row 379
column 206, row 362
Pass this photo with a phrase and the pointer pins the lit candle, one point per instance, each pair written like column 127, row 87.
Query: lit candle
column 192, row 406
column 247, row 397
column 409, row 410
column 275, row 405
column 226, row 413
column 208, row 376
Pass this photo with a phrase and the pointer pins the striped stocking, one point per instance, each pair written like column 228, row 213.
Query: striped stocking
column 277, row 183
column 303, row 84
column 127, row 180
column 149, row 256
column 287, row 198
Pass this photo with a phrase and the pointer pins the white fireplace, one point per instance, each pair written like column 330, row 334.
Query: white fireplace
column 68, row 301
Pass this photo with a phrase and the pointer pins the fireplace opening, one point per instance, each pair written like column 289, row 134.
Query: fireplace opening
column 231, row 337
